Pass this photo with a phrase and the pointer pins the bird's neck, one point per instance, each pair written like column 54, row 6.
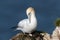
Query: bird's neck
column 32, row 18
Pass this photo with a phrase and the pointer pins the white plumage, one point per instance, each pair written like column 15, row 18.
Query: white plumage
column 28, row 25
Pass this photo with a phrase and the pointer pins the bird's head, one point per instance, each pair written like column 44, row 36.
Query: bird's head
column 30, row 11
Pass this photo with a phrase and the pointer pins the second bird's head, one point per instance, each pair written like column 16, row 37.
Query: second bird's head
column 30, row 11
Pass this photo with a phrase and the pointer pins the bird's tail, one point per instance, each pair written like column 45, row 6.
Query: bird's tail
column 14, row 27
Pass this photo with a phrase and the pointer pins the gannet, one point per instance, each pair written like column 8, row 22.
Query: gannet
column 28, row 25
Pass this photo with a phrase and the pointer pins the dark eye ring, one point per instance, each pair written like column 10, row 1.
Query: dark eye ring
column 29, row 13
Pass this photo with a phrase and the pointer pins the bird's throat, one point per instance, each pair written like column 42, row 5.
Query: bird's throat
column 32, row 18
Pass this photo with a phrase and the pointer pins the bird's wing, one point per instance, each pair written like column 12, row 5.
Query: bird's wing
column 22, row 23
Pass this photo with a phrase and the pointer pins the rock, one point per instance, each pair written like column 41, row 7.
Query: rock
column 21, row 36
column 56, row 33
column 37, row 35
column 46, row 36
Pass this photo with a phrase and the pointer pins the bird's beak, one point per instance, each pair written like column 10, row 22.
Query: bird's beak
column 29, row 16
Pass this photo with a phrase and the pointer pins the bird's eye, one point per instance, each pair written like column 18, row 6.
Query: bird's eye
column 29, row 13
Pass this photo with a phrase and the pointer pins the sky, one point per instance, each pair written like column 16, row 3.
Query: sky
column 12, row 11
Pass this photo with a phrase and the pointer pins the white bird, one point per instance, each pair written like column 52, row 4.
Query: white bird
column 28, row 25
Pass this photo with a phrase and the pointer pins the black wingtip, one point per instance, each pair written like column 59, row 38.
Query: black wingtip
column 14, row 27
